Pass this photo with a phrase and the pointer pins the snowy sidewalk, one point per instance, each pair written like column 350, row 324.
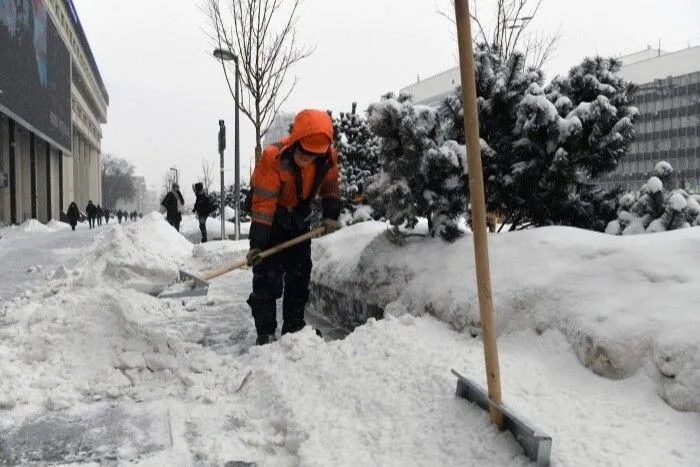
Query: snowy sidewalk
column 95, row 369
column 29, row 254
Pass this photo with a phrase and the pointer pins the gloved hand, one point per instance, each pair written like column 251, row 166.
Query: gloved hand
column 253, row 256
column 331, row 225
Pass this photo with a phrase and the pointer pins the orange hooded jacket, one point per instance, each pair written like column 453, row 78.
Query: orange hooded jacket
column 276, row 177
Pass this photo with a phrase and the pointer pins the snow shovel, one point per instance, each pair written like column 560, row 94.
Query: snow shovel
column 195, row 285
column 536, row 444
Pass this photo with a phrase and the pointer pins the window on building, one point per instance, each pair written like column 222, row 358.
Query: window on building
column 683, row 142
column 674, row 143
column 675, row 122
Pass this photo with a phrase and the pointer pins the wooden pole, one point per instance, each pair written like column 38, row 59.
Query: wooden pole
column 477, row 197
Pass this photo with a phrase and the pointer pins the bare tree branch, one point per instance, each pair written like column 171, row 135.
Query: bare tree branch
column 265, row 54
column 207, row 177
column 510, row 30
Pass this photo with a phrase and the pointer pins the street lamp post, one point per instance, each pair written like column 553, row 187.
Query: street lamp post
column 222, row 146
column 227, row 55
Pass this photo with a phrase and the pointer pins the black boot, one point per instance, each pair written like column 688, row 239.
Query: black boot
column 265, row 339
column 264, row 312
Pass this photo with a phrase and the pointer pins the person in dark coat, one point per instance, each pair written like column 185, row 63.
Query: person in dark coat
column 100, row 213
column 73, row 215
column 106, row 212
column 173, row 203
column 119, row 215
column 203, row 207
column 91, row 211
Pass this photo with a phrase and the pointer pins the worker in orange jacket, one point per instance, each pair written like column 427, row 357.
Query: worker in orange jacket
column 287, row 178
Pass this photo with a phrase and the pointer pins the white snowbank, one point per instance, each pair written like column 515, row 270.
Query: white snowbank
column 31, row 226
column 144, row 255
column 189, row 228
column 55, row 225
column 617, row 299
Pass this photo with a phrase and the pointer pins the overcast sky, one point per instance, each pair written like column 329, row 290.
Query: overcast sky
column 167, row 92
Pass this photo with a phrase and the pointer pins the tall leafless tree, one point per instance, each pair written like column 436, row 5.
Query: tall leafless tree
column 117, row 180
column 207, row 177
column 265, row 54
column 510, row 30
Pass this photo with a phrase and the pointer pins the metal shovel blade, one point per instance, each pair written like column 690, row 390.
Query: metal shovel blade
column 536, row 444
column 190, row 285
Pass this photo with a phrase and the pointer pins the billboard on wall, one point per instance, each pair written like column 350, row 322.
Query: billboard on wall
column 35, row 67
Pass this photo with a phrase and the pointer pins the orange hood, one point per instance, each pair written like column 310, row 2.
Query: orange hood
column 311, row 122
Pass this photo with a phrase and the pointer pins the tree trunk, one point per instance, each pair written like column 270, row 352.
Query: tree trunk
column 258, row 137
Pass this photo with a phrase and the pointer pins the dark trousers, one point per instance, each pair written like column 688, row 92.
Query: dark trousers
column 203, row 229
column 175, row 220
column 286, row 274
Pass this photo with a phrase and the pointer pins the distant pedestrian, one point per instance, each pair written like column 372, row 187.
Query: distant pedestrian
column 91, row 211
column 119, row 215
column 100, row 213
column 106, row 211
column 203, row 207
column 73, row 215
column 173, row 203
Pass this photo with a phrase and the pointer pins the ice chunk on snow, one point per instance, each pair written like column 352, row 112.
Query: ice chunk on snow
column 60, row 273
column 131, row 359
column 654, row 185
column 160, row 361
column 200, row 362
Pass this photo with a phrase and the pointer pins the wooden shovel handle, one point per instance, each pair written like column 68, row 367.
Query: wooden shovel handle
column 269, row 252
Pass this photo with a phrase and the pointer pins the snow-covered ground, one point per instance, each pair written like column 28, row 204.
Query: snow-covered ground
column 189, row 228
column 95, row 368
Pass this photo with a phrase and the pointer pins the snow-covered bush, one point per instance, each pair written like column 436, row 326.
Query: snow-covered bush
column 423, row 173
column 655, row 208
column 358, row 153
column 543, row 145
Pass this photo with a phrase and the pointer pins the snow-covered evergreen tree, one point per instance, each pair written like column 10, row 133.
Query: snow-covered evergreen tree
column 655, row 208
column 423, row 175
column 542, row 146
column 358, row 152
column 230, row 199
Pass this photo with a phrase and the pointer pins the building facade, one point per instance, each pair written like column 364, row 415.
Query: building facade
column 279, row 128
column 52, row 105
column 668, row 126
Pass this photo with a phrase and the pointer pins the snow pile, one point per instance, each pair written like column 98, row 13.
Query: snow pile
column 344, row 403
column 145, row 255
column 72, row 344
column 385, row 396
column 617, row 300
column 31, row 226
column 189, row 228
column 55, row 225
